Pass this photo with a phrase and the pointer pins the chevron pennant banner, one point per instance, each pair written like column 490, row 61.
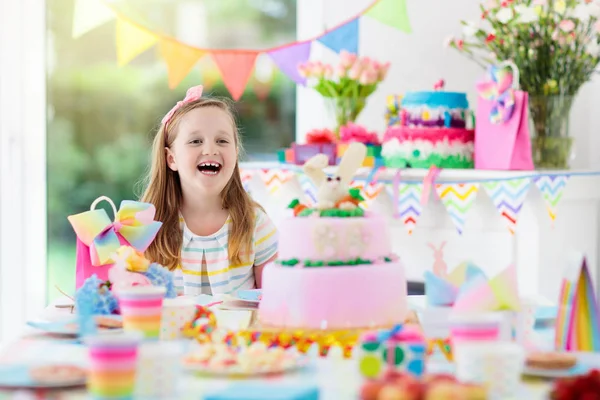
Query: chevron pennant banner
column 458, row 199
column 552, row 188
column 308, row 187
column 508, row 198
column 275, row 178
column 409, row 204
column 369, row 192
column 246, row 175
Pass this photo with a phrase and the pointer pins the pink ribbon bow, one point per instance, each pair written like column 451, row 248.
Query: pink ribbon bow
column 194, row 93
column 134, row 222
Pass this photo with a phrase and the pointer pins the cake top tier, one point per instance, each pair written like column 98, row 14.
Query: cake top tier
column 436, row 99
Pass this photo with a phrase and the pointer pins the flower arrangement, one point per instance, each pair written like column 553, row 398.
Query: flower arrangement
column 347, row 85
column 352, row 132
column 554, row 44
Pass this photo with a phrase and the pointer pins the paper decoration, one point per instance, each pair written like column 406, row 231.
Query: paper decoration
column 132, row 41
column 478, row 294
column 289, row 57
column 392, row 13
column 369, row 192
column 89, row 15
column 458, row 199
column 274, row 179
column 443, row 291
column 552, row 188
column 236, row 67
column 344, row 37
column 246, row 176
column 409, row 204
column 508, row 198
column 180, row 60
column 577, row 322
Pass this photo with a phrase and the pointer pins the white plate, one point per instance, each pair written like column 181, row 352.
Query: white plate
column 237, row 372
column 17, row 376
column 579, row 369
column 68, row 327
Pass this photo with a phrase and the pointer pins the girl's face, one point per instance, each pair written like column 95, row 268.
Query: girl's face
column 204, row 151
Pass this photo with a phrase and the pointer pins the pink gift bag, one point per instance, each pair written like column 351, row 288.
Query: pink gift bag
column 98, row 237
column 502, row 122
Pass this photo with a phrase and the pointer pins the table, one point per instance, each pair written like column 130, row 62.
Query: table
column 337, row 378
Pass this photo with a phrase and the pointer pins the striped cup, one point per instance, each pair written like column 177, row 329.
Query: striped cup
column 141, row 309
column 112, row 361
column 475, row 327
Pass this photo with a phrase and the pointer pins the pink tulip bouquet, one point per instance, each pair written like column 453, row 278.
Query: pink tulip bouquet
column 346, row 85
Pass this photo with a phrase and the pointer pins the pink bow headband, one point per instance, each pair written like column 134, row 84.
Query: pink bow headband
column 192, row 94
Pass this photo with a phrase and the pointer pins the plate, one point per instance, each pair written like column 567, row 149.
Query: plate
column 579, row 369
column 69, row 326
column 252, row 295
column 19, row 376
column 236, row 371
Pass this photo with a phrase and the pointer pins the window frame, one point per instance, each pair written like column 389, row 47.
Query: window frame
column 23, row 215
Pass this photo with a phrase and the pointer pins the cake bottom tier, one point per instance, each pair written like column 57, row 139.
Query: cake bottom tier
column 340, row 297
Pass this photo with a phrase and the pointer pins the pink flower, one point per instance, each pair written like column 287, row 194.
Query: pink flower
column 328, row 71
column 566, row 25
column 368, row 77
column 347, row 59
column 355, row 71
column 384, row 70
column 355, row 133
column 318, row 69
column 341, row 71
column 365, row 62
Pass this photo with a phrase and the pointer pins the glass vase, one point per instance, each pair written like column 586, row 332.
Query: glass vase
column 551, row 144
column 345, row 109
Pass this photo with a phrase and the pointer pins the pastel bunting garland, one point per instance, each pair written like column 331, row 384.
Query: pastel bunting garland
column 508, row 198
column 458, row 199
column 274, row 179
column 409, row 204
column 552, row 188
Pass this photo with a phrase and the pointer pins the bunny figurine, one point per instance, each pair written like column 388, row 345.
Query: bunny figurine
column 332, row 190
column 439, row 265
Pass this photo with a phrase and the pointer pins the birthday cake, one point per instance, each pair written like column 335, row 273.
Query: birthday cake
column 429, row 128
column 335, row 267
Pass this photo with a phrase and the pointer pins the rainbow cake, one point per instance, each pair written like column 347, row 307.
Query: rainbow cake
column 429, row 128
column 335, row 267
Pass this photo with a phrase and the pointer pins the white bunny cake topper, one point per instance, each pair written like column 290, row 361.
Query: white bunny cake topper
column 333, row 191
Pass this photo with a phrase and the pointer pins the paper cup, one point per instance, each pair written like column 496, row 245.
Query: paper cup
column 158, row 370
column 525, row 324
column 466, row 328
column 113, row 363
column 175, row 313
column 141, row 309
column 498, row 366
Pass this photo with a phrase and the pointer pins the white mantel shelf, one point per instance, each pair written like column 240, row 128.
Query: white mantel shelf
column 540, row 248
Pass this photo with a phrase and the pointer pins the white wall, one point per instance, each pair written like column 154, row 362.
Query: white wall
column 418, row 60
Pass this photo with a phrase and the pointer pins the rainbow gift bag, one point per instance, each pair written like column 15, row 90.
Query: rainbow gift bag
column 577, row 322
column 98, row 237
column 502, row 124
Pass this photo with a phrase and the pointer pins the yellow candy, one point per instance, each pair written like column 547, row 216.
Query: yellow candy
column 425, row 115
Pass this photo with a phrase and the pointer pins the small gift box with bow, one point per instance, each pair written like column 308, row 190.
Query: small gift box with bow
column 318, row 141
column 98, row 238
column 502, row 123
column 401, row 349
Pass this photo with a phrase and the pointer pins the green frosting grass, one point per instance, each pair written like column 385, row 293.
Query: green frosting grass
column 455, row 161
column 315, row 263
column 333, row 212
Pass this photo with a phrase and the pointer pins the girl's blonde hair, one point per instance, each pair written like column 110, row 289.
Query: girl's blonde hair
column 163, row 189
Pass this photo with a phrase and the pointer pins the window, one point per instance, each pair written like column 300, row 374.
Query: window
column 102, row 117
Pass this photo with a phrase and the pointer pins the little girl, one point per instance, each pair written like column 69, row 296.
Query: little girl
column 214, row 236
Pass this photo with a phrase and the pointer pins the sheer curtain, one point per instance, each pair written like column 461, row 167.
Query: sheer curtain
column 22, row 163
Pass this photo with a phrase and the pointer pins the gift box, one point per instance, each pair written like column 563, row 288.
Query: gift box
column 286, row 156
column 401, row 349
column 371, row 159
column 99, row 238
column 303, row 152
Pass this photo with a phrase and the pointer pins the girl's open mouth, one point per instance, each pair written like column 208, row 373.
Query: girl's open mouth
column 209, row 168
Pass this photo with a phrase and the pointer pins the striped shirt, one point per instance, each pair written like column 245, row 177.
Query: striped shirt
column 205, row 267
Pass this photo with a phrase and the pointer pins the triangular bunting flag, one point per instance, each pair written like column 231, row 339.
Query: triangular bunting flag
column 308, row 187
column 88, row 15
column 409, row 204
column 392, row 13
column 180, row 59
column 344, row 37
column 458, row 199
column 274, row 178
column 235, row 67
column 508, row 198
column 552, row 188
column 132, row 40
column 288, row 58
column 246, row 175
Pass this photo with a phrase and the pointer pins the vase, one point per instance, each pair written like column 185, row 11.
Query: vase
column 551, row 144
column 345, row 109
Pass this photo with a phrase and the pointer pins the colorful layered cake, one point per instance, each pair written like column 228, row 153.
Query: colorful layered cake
column 335, row 267
column 429, row 128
